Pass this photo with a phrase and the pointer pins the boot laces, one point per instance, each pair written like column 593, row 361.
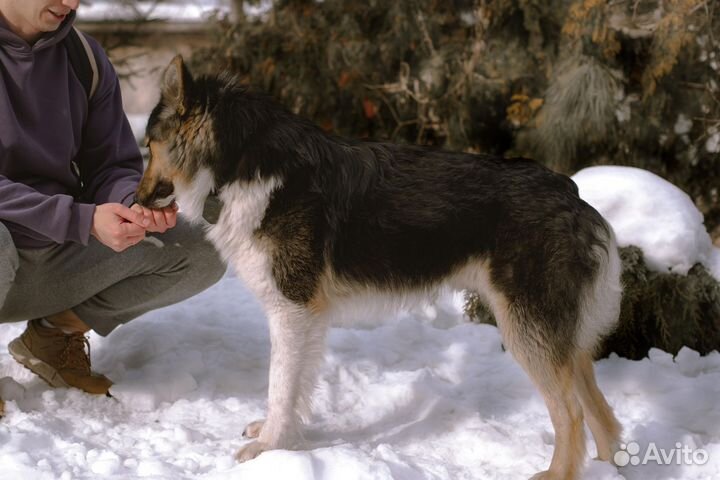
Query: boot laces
column 73, row 355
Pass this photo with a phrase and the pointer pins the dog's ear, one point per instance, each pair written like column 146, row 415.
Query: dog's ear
column 176, row 82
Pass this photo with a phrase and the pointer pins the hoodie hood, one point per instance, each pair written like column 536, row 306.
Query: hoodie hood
column 12, row 43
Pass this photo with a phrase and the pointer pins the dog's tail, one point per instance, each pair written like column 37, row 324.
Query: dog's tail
column 598, row 314
column 601, row 298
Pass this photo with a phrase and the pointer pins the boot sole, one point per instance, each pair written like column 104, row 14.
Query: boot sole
column 24, row 357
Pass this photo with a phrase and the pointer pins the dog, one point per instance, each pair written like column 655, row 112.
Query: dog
column 311, row 221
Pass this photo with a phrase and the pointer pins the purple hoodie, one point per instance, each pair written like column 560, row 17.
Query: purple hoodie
column 43, row 108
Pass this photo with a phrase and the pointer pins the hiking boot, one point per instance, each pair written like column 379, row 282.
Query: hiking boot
column 57, row 357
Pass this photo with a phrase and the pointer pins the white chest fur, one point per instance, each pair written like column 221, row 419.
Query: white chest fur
column 244, row 206
column 191, row 197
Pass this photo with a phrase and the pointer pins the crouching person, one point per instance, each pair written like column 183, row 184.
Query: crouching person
column 75, row 251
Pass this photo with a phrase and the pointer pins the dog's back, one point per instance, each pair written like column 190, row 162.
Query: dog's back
column 399, row 218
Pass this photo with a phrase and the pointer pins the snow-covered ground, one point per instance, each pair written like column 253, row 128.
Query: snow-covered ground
column 425, row 395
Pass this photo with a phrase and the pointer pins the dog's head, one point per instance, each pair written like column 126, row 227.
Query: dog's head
column 181, row 140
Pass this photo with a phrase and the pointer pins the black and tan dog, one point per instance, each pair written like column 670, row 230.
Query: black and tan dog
column 311, row 220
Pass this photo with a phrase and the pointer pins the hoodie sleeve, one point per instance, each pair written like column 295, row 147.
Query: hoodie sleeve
column 55, row 217
column 109, row 155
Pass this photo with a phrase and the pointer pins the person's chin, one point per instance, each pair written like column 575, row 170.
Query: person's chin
column 50, row 26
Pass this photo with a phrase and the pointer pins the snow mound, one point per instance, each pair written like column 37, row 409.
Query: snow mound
column 651, row 213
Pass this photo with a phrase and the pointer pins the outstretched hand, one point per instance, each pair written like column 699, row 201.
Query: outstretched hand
column 159, row 219
column 117, row 226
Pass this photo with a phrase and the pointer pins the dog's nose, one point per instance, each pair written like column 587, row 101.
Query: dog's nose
column 163, row 190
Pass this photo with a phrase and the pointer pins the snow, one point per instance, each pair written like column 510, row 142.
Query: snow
column 169, row 10
column 653, row 214
column 178, row 10
column 712, row 144
column 137, row 125
column 423, row 394
column 683, row 125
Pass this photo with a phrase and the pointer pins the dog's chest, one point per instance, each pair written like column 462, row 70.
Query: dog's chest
column 244, row 207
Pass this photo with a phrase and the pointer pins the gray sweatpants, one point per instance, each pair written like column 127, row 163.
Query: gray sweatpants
column 105, row 288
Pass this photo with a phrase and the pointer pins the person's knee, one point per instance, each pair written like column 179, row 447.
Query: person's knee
column 207, row 264
column 9, row 262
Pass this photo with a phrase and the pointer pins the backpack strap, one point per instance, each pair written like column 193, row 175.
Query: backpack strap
column 82, row 60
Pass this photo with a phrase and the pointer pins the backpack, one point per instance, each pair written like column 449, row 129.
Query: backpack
column 82, row 61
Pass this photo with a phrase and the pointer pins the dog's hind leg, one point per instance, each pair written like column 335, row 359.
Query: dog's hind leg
column 600, row 309
column 554, row 378
column 556, row 386
column 546, row 355
column 600, row 418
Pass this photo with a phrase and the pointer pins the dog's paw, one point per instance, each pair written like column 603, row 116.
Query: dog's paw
column 250, row 451
column 253, row 429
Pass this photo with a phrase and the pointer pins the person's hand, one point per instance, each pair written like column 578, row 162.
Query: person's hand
column 160, row 219
column 117, row 226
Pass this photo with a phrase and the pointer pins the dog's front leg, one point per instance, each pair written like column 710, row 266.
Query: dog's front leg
column 288, row 328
